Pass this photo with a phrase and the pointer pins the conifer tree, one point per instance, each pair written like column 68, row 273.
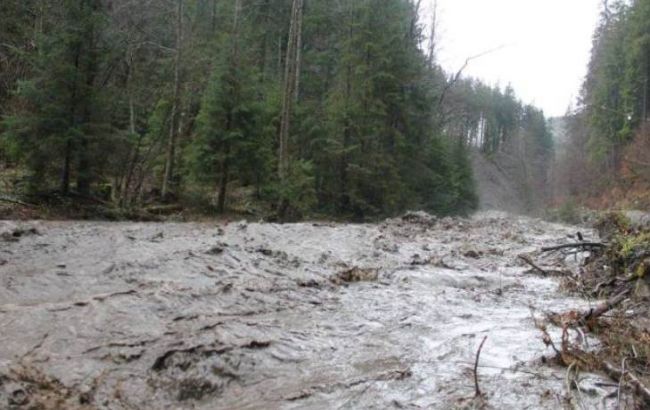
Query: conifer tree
column 62, row 118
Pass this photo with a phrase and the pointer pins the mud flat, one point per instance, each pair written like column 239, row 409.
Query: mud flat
column 301, row 316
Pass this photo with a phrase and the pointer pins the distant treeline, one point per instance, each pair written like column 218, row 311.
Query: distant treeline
column 299, row 106
column 608, row 142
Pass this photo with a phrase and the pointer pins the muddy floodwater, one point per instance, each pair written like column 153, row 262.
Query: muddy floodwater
column 263, row 316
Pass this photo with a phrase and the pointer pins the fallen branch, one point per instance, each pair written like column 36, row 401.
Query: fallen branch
column 478, row 356
column 533, row 265
column 582, row 245
column 616, row 374
column 594, row 313
column 604, row 284
column 571, row 382
column 620, row 385
column 456, row 77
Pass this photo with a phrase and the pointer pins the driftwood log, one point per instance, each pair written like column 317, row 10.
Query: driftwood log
column 600, row 310
column 532, row 264
column 579, row 245
column 544, row 272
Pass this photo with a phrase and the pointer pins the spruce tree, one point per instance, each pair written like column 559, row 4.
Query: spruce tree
column 60, row 117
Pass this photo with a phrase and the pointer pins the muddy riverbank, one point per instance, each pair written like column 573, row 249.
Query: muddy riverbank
column 138, row 316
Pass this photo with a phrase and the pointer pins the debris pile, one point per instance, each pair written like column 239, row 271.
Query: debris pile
column 615, row 274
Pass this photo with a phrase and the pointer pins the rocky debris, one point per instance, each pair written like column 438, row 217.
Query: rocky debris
column 199, row 371
column 473, row 254
column 14, row 234
column 281, row 255
column 215, row 250
column 16, row 395
column 420, row 218
column 419, row 260
column 26, row 387
column 356, row 275
column 309, row 283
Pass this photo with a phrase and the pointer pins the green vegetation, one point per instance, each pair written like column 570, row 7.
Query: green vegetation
column 605, row 163
column 315, row 108
column 616, row 92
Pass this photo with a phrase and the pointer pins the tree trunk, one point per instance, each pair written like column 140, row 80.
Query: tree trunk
column 40, row 17
column 286, row 100
column 69, row 146
column 414, row 20
column 171, row 144
column 65, row 172
column 133, row 161
column 344, row 197
column 264, row 44
column 223, row 185
column 646, row 90
column 214, row 16
column 83, row 171
column 230, row 122
column 432, row 36
column 84, row 176
column 278, row 68
column 290, row 81
column 298, row 50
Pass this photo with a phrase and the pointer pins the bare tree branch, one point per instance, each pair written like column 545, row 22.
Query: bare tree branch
column 454, row 79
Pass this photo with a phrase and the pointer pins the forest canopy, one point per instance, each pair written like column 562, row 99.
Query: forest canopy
column 296, row 107
column 603, row 161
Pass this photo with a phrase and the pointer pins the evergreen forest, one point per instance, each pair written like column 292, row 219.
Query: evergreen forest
column 290, row 108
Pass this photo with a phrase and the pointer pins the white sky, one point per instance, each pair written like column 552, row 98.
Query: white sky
column 545, row 45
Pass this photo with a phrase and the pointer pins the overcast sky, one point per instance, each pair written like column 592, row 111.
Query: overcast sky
column 545, row 45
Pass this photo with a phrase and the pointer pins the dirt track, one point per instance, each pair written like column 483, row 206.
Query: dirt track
column 138, row 316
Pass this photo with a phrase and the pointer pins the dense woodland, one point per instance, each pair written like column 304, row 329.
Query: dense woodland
column 604, row 160
column 295, row 107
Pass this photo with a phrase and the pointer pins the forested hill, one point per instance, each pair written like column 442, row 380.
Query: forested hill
column 291, row 107
column 604, row 161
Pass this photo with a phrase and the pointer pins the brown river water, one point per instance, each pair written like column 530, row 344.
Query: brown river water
column 260, row 316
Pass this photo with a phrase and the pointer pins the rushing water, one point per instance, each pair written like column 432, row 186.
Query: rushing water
column 136, row 316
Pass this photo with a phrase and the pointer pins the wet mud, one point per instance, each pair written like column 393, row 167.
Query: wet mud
column 300, row 316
